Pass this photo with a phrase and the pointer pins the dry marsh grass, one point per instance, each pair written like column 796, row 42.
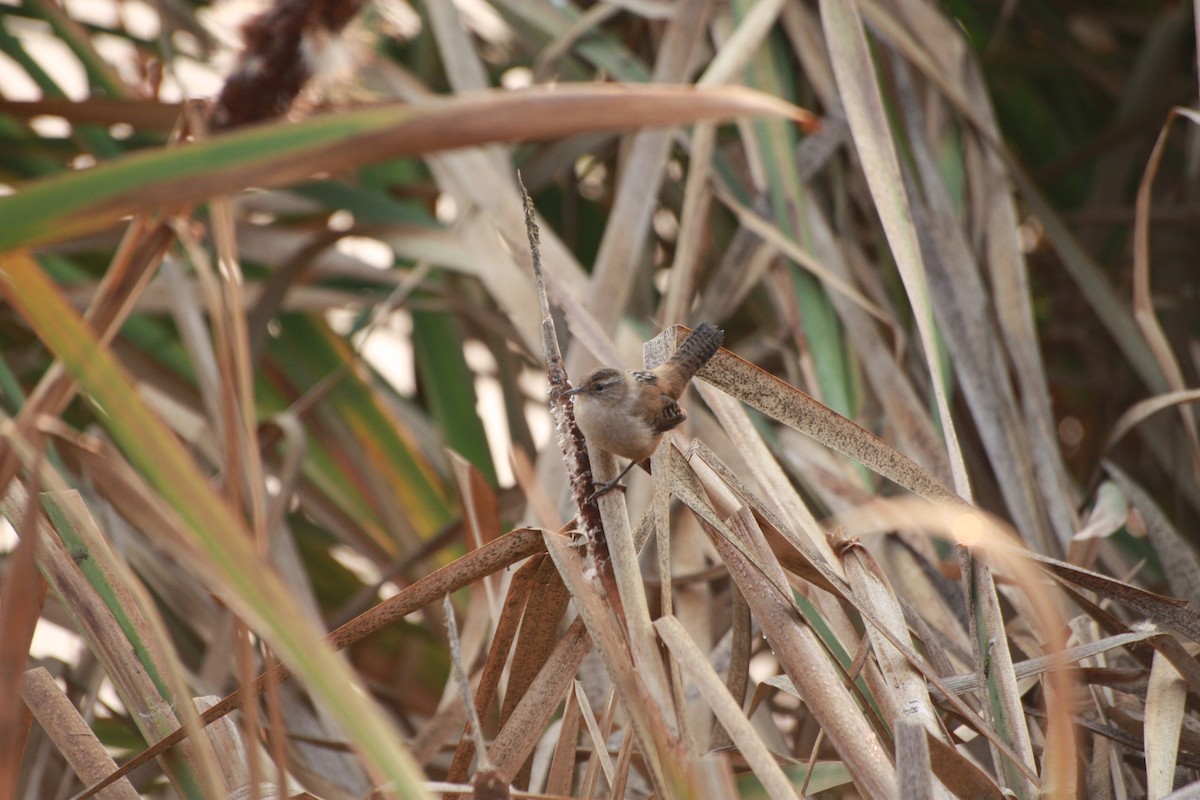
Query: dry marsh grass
column 284, row 453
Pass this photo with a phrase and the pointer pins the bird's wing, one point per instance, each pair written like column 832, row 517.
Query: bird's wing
column 669, row 415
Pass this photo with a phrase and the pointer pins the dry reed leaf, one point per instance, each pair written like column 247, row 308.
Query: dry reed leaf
column 626, row 232
column 462, row 680
column 1143, row 409
column 599, row 742
column 22, row 597
column 905, row 696
column 934, row 603
column 120, row 484
column 746, row 260
column 825, row 575
column 464, row 68
column 962, row 310
column 741, row 46
column 590, row 782
column 654, row 734
column 141, row 114
column 481, row 185
column 1013, row 304
column 562, row 767
column 158, row 297
column 1170, row 612
column 519, row 589
column 794, row 553
column 766, row 393
column 773, row 485
column 772, row 235
column 1108, row 515
column 1165, row 706
column 737, row 675
column 258, row 156
column 994, row 665
column 141, row 247
column 905, row 410
column 1177, row 557
column 873, row 143
column 634, row 605
column 959, row 774
column 1035, row 666
column 991, row 193
column 132, row 670
column 71, row 733
column 750, row 746
column 801, row 655
column 1109, row 307
column 476, row 564
column 322, row 262
column 912, row 760
column 565, row 41
column 542, row 621
column 1143, row 305
column 527, row 722
column 697, row 199
column 988, row 536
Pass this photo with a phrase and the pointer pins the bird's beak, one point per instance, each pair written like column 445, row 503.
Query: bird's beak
column 570, row 392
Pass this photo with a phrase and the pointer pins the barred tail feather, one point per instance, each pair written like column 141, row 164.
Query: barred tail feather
column 698, row 348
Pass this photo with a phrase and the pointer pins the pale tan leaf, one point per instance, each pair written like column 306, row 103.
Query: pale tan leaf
column 696, row 667
column 1165, row 706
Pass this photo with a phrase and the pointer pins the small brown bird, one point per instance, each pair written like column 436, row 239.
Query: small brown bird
column 626, row 412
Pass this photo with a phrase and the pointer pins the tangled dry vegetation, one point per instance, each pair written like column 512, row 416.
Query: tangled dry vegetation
column 277, row 364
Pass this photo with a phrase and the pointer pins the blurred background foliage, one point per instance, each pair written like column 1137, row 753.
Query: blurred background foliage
column 387, row 315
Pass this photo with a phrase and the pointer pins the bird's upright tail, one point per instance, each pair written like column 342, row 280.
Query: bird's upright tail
column 697, row 349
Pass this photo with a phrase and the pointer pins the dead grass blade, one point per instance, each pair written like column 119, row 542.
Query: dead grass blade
column 598, row 738
column 562, row 767
column 905, row 696
column 628, row 227
column 760, row 579
column 873, row 141
column 653, row 732
column 771, row 234
column 527, row 723
column 961, row 308
column 1178, row 559
column 141, row 248
column 1036, row 666
column 1170, row 612
column 1144, row 409
column 958, row 773
column 141, row 114
column 71, row 733
column 697, row 199
column 1143, row 305
column 22, row 597
column 283, row 153
column 912, row 760
column 109, row 619
column 993, row 664
column 787, row 404
column 695, row 666
column 1109, row 307
column 1166, row 699
column 483, row 561
column 985, row 535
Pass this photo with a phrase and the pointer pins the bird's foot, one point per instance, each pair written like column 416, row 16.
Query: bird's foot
column 604, row 489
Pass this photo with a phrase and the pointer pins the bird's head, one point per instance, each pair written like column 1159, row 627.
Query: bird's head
column 599, row 384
